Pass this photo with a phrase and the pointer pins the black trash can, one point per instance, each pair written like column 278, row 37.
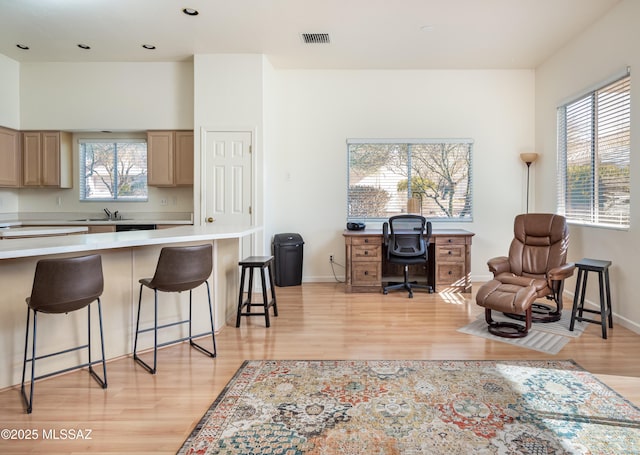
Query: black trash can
column 287, row 253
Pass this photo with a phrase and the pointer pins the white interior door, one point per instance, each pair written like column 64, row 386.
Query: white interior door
column 228, row 178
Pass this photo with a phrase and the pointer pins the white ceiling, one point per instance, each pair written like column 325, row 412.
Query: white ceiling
column 430, row 34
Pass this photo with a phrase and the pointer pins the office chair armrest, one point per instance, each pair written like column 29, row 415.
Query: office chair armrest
column 499, row 265
column 561, row 273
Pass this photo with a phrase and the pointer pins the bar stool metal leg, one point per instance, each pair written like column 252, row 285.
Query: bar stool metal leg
column 191, row 336
column 102, row 381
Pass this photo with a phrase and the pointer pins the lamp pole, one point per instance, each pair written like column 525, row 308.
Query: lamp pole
column 528, row 158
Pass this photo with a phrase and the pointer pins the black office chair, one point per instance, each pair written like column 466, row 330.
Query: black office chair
column 406, row 238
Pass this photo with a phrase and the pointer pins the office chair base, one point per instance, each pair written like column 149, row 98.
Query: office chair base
column 406, row 286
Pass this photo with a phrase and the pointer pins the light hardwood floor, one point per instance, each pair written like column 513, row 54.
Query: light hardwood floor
column 141, row 413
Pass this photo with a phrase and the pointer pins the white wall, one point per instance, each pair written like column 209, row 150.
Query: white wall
column 106, row 96
column 9, row 92
column 604, row 49
column 315, row 111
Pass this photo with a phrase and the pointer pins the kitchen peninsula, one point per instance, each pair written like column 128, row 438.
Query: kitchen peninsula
column 126, row 257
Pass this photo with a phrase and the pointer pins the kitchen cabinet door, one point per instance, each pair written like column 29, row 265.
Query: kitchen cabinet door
column 46, row 159
column 160, row 152
column 10, row 158
column 170, row 158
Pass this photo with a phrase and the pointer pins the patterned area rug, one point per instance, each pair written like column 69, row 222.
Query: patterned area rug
column 416, row 407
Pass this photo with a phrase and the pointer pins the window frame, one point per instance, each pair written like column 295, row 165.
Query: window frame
column 115, row 141
column 594, row 149
column 445, row 142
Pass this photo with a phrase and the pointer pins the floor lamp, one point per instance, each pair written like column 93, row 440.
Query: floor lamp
column 528, row 158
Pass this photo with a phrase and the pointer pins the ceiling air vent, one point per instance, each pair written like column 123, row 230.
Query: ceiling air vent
column 315, row 38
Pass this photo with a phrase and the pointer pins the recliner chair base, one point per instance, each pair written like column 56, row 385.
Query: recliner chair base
column 540, row 313
column 508, row 329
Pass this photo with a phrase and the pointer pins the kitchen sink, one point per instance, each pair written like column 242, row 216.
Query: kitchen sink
column 92, row 219
column 101, row 219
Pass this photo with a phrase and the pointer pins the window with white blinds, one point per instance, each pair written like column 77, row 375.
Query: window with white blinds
column 430, row 177
column 113, row 170
column 594, row 151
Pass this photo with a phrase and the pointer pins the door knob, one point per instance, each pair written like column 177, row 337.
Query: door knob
column 210, row 220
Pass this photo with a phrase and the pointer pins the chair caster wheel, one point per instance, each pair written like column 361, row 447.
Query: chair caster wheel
column 385, row 292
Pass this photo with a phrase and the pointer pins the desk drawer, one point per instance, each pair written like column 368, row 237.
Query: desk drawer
column 360, row 253
column 366, row 240
column 366, row 274
column 451, row 253
column 450, row 273
column 441, row 240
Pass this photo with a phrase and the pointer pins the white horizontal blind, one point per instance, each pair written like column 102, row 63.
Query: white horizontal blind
column 594, row 150
column 388, row 177
column 113, row 170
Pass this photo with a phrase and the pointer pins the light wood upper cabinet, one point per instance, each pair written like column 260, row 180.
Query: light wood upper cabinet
column 10, row 158
column 170, row 158
column 46, row 159
column 184, row 158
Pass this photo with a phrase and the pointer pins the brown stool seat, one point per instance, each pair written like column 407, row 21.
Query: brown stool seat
column 251, row 263
column 62, row 286
column 180, row 268
column 606, row 315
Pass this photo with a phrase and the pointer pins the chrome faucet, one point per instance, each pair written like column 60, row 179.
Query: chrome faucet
column 108, row 213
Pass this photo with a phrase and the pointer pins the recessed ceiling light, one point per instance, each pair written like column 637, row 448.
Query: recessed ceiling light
column 190, row 11
column 24, row 47
column 426, row 28
column 84, row 46
column 148, row 46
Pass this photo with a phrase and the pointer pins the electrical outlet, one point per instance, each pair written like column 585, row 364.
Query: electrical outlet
column 331, row 258
column 164, row 201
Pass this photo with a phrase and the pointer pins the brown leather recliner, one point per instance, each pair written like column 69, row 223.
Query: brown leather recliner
column 536, row 267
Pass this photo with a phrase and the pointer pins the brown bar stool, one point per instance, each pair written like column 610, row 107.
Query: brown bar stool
column 62, row 286
column 585, row 266
column 180, row 268
column 251, row 263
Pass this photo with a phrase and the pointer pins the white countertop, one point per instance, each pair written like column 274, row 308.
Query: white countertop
column 42, row 246
column 15, row 233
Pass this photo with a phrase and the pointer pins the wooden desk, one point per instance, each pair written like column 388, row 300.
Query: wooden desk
column 448, row 268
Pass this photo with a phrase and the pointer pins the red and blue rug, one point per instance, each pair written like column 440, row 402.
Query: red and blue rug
column 416, row 407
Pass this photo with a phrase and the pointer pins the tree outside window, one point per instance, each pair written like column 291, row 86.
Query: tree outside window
column 113, row 170
column 429, row 177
